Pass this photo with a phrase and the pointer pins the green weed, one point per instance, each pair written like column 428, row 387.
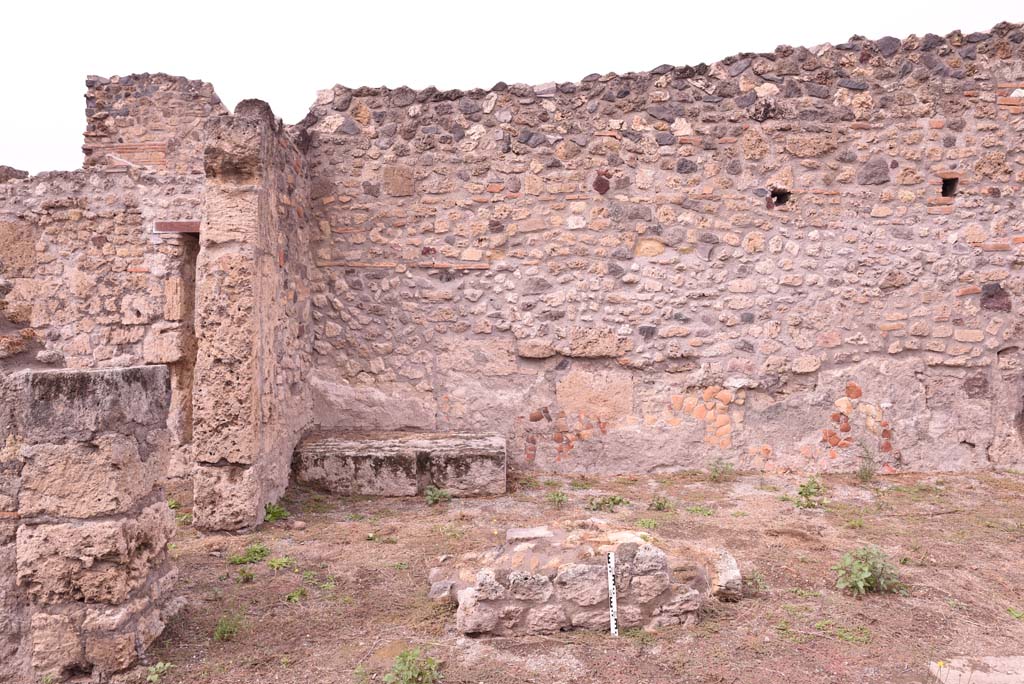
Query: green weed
column 557, row 498
column 641, row 637
column 660, row 503
column 155, row 672
column 810, row 494
column 608, row 504
column 282, row 563
column 436, row 496
column 253, row 553
column 411, row 667
column 274, row 512
column 851, row 635
column 867, row 570
column 721, row 471
column 227, row 628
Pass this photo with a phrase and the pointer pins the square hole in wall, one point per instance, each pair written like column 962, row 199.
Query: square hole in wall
column 949, row 186
column 780, row 196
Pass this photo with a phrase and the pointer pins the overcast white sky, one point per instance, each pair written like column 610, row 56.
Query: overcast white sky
column 284, row 52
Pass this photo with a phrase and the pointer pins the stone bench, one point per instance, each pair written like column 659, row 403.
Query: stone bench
column 401, row 464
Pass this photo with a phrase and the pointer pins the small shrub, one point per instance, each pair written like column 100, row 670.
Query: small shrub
column 295, row 596
column 557, row 499
column 755, row 584
column 721, row 471
column 867, row 570
column 282, row 563
column 227, row 628
column 811, row 494
column 647, row 523
column 155, row 672
column 868, row 466
column 253, row 553
column 866, row 470
column 855, row 523
column 245, row 576
column 608, row 504
column 436, row 496
column 274, row 512
column 700, row 509
column 411, row 667
column 660, row 503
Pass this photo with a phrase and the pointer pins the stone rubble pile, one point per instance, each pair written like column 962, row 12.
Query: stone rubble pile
column 545, row 580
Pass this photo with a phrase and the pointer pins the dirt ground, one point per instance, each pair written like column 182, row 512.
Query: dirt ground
column 356, row 593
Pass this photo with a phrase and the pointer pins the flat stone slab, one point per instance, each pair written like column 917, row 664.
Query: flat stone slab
column 402, row 463
column 978, row 670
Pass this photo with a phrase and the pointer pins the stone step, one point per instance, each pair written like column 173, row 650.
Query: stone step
column 978, row 670
column 402, row 463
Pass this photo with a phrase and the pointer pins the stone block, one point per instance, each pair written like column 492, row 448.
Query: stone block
column 594, row 343
column 978, row 670
column 164, row 346
column 402, row 464
column 377, row 407
column 56, row 644
column 61, row 405
column 108, row 475
column 227, row 496
column 601, row 394
column 110, row 652
column 467, row 465
column 101, row 561
column 584, row 585
column 398, row 180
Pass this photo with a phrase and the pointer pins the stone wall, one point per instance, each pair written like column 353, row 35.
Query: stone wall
column 791, row 260
column 787, row 260
column 253, row 318
column 84, row 524
column 90, row 280
column 86, row 277
column 151, row 120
